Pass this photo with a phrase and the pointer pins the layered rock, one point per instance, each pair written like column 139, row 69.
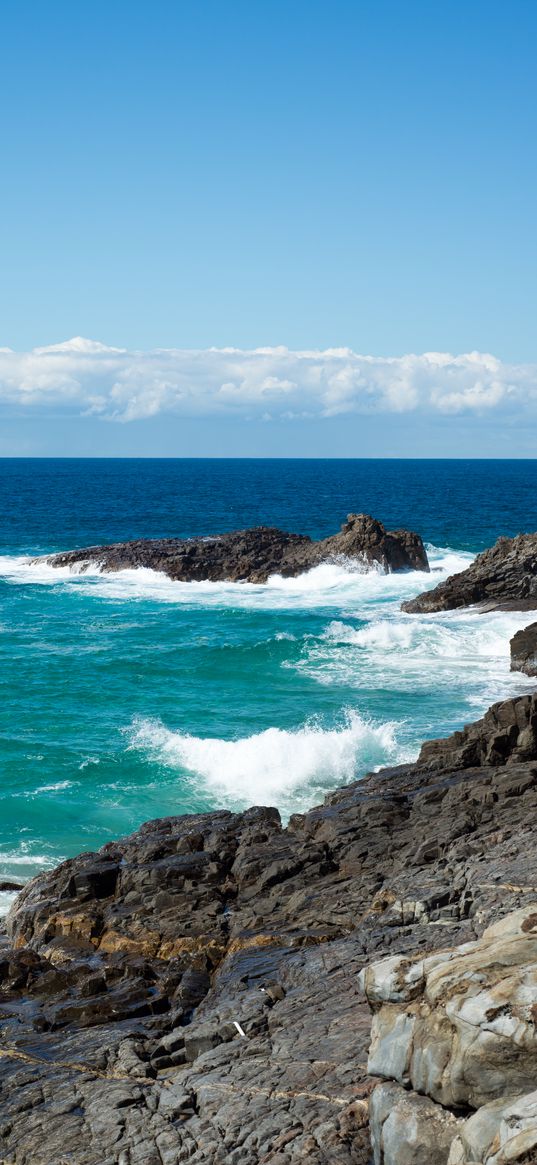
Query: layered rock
column 506, row 734
column 254, row 555
column 190, row 993
column 524, row 650
column 504, row 576
column 457, row 1028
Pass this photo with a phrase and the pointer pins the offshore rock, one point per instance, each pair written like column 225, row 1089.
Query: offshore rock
column 524, row 650
column 504, row 576
column 456, row 1030
column 190, row 993
column 254, row 555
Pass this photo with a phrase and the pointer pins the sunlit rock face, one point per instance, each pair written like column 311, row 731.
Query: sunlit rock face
column 453, row 1031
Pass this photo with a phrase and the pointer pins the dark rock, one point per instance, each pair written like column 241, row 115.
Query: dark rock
column 504, row 576
column 119, row 1006
column 7, row 885
column 524, row 650
column 254, row 555
column 506, row 735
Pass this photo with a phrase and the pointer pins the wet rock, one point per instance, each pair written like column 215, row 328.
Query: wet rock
column 504, row 576
column 253, row 555
column 524, row 650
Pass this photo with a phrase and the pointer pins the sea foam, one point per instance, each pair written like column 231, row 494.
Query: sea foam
column 328, row 585
column 7, row 898
column 274, row 766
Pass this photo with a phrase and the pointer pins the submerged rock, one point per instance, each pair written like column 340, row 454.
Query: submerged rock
column 524, row 650
column 190, row 993
column 254, row 555
column 504, row 576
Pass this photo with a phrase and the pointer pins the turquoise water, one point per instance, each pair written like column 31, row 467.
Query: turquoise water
column 127, row 696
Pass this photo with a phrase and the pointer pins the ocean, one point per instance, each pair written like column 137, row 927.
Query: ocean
column 128, row 696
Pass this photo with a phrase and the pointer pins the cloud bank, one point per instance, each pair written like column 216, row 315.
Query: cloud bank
column 90, row 378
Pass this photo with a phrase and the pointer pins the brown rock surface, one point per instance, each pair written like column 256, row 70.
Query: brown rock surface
column 254, row 555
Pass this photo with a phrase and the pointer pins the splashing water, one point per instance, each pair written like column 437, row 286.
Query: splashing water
column 129, row 696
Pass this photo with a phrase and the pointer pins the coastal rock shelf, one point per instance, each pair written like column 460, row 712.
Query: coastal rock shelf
column 191, row 993
column 254, row 555
column 505, row 576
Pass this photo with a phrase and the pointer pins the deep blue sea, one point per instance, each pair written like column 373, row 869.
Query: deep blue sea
column 128, row 696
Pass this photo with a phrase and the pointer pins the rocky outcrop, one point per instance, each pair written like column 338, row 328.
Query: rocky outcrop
column 506, row 734
column 524, row 650
column 457, row 1028
column 504, row 576
column 190, row 993
column 254, row 555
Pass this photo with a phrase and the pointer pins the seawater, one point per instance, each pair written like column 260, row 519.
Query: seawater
column 128, row 696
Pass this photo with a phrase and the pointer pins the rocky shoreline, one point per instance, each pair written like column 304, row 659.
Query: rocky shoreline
column 254, row 555
column 360, row 985
column 191, row 993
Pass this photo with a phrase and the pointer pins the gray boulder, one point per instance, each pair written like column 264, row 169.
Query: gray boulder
column 407, row 1129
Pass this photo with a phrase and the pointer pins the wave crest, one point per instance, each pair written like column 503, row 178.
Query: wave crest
column 276, row 765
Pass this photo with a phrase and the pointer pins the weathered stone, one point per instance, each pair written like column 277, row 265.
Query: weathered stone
column 407, row 1129
column 105, row 981
column 462, row 1028
column 499, row 1133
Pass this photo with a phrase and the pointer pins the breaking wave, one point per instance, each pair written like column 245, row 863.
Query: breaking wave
column 330, row 584
column 275, row 766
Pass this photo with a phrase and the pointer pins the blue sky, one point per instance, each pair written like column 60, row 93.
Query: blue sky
column 309, row 175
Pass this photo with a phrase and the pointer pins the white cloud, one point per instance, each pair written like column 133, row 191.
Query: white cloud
column 276, row 383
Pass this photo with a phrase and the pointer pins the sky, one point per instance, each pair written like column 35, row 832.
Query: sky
column 256, row 227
